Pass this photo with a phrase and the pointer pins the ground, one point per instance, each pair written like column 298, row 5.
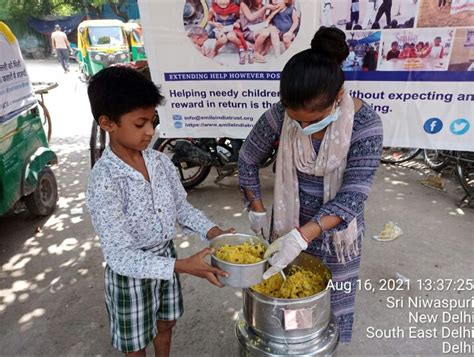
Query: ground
column 430, row 15
column 51, row 281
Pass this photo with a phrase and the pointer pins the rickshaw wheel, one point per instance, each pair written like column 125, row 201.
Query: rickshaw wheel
column 42, row 201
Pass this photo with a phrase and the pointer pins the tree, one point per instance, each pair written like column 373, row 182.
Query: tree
column 22, row 9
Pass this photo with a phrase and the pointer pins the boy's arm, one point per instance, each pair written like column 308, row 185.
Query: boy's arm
column 188, row 217
column 105, row 204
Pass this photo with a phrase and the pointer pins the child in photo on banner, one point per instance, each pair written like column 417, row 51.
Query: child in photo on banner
column 136, row 199
column 408, row 51
column 255, row 27
column 435, row 50
column 285, row 21
column 224, row 18
column 202, row 42
column 394, row 51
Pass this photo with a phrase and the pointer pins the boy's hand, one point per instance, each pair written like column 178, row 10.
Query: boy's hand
column 196, row 265
column 216, row 231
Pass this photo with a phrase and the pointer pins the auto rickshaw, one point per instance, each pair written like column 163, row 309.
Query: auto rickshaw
column 101, row 43
column 25, row 157
column 135, row 40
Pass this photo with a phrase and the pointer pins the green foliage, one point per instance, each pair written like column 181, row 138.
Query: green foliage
column 21, row 9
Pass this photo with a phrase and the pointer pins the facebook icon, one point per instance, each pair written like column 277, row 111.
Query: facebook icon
column 433, row 125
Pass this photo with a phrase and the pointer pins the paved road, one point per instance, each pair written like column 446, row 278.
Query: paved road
column 51, row 281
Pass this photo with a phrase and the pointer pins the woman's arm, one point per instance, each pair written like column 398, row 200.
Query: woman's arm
column 255, row 150
column 362, row 162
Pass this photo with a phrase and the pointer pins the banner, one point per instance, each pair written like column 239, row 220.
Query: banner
column 16, row 94
column 218, row 63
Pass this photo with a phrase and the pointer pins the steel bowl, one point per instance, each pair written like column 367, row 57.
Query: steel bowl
column 269, row 317
column 240, row 275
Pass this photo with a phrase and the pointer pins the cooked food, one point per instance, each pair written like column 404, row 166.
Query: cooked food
column 245, row 253
column 411, row 63
column 390, row 231
column 300, row 283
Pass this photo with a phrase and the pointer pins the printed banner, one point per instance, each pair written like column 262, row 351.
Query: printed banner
column 16, row 93
column 461, row 5
column 219, row 62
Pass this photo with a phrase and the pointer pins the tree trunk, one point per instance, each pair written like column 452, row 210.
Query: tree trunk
column 116, row 9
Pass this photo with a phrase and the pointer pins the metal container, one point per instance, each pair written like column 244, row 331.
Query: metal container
column 252, row 345
column 290, row 320
column 240, row 275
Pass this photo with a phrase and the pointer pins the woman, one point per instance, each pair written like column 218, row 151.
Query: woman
column 330, row 148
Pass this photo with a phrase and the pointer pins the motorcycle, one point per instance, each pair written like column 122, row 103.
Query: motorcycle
column 194, row 158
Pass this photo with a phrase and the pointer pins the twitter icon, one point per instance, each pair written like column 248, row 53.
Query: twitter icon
column 459, row 126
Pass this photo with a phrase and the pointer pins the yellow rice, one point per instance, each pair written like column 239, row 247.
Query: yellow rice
column 300, row 283
column 245, row 253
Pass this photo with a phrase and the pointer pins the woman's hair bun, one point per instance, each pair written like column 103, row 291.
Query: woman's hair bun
column 330, row 42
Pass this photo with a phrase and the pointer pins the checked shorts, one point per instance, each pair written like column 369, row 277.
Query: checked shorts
column 135, row 305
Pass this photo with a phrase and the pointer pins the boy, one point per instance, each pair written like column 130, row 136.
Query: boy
column 394, row 51
column 135, row 199
column 202, row 42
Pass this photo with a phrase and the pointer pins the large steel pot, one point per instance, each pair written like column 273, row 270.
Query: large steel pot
column 240, row 275
column 290, row 320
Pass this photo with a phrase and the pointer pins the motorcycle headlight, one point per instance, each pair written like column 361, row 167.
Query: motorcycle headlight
column 97, row 57
column 123, row 56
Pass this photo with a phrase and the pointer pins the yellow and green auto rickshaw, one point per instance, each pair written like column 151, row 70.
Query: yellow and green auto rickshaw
column 135, row 40
column 25, row 157
column 101, row 43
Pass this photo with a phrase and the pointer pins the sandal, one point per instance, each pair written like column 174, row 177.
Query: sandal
column 241, row 56
column 250, row 55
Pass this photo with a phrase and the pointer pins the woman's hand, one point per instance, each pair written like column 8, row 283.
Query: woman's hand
column 285, row 250
column 216, row 231
column 260, row 223
column 196, row 265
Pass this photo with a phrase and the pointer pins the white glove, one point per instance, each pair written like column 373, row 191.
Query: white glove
column 259, row 223
column 286, row 249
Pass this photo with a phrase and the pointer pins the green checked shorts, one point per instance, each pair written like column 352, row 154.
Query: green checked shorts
column 135, row 305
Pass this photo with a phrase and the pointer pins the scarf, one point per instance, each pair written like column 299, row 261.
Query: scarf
column 230, row 9
column 296, row 152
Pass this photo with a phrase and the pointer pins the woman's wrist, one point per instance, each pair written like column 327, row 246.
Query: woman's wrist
column 257, row 205
column 310, row 231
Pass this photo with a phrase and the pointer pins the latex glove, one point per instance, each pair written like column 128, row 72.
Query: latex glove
column 285, row 249
column 259, row 223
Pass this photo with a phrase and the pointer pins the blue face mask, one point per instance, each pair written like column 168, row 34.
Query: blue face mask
column 320, row 125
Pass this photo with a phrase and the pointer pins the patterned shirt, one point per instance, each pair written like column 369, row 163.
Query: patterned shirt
column 362, row 161
column 136, row 219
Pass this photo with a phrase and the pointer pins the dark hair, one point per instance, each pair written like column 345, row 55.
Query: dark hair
column 251, row 4
column 357, row 27
column 197, row 32
column 312, row 78
column 394, row 24
column 394, row 43
column 116, row 91
column 375, row 26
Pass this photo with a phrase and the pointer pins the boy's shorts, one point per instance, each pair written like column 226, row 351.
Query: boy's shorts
column 135, row 305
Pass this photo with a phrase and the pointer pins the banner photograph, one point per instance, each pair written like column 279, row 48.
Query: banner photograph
column 219, row 63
